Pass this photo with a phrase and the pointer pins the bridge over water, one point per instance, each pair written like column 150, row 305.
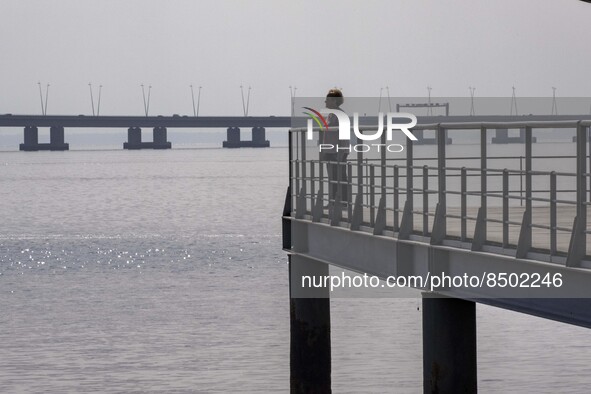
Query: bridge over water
column 159, row 124
column 475, row 210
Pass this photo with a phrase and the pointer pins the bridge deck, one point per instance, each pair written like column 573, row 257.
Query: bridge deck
column 143, row 121
column 184, row 121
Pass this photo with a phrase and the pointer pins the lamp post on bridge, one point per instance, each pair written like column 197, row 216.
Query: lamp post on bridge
column 198, row 99
column 292, row 91
column 248, row 101
column 387, row 88
column 196, row 111
column 242, row 95
column 146, row 104
column 429, row 108
column 245, row 106
column 513, row 102
column 41, row 97
column 472, row 89
column 98, row 108
column 193, row 99
column 91, row 98
column 43, row 104
column 46, row 97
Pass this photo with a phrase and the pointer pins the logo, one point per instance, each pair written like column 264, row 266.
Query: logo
column 317, row 116
column 344, row 130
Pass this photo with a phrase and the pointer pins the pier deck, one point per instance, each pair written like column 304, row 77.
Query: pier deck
column 406, row 217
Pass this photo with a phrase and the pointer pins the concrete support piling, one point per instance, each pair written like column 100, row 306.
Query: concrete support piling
column 310, row 351
column 56, row 139
column 31, row 139
column 160, row 136
column 233, row 139
column 449, row 345
column 134, row 139
column 258, row 138
column 134, row 135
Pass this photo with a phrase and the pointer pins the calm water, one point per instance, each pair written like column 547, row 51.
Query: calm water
column 162, row 271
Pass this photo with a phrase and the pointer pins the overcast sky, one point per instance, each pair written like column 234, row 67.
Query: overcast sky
column 270, row 45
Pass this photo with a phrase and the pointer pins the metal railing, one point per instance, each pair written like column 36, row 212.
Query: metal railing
column 508, row 204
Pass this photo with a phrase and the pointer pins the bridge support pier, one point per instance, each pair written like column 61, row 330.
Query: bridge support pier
column 56, row 139
column 134, row 139
column 258, row 138
column 310, row 352
column 31, row 139
column 159, row 137
column 233, row 138
column 449, row 345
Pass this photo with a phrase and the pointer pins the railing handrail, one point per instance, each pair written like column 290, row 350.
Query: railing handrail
column 536, row 124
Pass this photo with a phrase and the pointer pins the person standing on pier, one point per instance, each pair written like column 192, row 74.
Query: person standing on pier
column 335, row 157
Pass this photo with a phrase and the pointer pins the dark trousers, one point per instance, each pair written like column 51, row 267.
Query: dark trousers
column 336, row 165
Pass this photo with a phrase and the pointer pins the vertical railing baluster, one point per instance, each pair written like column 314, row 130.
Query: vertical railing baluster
column 321, row 180
column 349, row 191
column 505, row 208
column 303, row 147
column 312, row 183
column 372, row 195
column 367, row 184
column 441, row 163
column 396, row 197
column 483, row 179
column 338, row 191
column 528, row 186
column 582, row 185
column 409, row 181
column 552, row 213
column 383, row 166
column 521, row 179
column 383, row 172
column 360, row 170
column 463, row 208
column 296, row 192
column 425, row 200
column 588, row 135
column 291, row 164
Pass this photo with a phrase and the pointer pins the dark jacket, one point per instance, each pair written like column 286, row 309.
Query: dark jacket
column 332, row 136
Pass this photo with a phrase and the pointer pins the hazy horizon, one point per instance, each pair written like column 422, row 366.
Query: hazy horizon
column 270, row 46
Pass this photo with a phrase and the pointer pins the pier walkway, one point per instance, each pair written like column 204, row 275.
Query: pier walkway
column 442, row 212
